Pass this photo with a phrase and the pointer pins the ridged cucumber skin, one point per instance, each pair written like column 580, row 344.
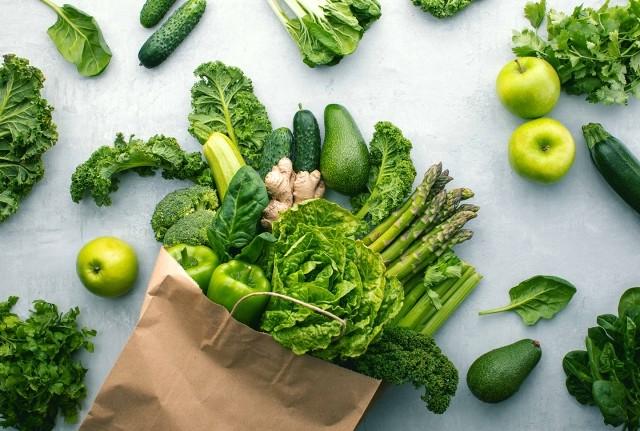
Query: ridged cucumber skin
column 619, row 167
column 344, row 159
column 153, row 11
column 306, row 133
column 279, row 144
column 166, row 39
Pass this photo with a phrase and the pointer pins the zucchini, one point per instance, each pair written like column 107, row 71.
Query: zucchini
column 166, row 39
column 279, row 144
column 306, row 133
column 619, row 167
column 153, row 11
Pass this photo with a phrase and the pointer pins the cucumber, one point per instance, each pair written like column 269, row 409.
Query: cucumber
column 619, row 167
column 166, row 39
column 306, row 149
column 278, row 144
column 153, row 11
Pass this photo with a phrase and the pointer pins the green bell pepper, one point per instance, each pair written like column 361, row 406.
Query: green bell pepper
column 235, row 279
column 197, row 260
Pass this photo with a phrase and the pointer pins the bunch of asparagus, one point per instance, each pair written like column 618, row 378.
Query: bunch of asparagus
column 429, row 224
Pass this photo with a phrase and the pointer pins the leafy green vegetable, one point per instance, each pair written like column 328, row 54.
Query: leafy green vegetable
column 79, row 39
column 98, row 176
column 236, row 223
column 391, row 176
column 540, row 297
column 442, row 8
column 223, row 100
column 607, row 373
column 26, row 131
column 447, row 266
column 594, row 51
column 180, row 203
column 404, row 356
column 317, row 260
column 326, row 30
column 192, row 229
column 38, row 376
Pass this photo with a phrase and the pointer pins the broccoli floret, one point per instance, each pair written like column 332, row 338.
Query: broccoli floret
column 190, row 230
column 404, row 356
column 442, row 8
column 179, row 204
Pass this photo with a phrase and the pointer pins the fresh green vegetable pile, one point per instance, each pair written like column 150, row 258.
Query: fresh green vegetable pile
column 326, row 30
column 39, row 376
column 607, row 373
column 442, row 8
column 98, row 176
column 26, row 131
column 594, row 51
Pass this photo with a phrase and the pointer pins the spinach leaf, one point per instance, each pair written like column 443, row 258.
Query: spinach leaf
column 579, row 381
column 236, row 222
column 78, row 38
column 629, row 304
column 540, row 297
column 256, row 252
column 610, row 398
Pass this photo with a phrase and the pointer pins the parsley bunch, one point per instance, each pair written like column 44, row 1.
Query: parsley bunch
column 38, row 375
column 595, row 51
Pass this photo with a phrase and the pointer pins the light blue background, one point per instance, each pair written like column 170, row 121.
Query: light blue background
column 434, row 79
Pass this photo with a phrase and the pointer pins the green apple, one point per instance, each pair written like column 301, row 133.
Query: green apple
column 529, row 87
column 542, row 150
column 107, row 266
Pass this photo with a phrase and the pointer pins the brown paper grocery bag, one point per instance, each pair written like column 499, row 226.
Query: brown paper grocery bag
column 188, row 366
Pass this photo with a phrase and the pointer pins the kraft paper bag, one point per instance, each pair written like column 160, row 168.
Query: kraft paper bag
column 189, row 366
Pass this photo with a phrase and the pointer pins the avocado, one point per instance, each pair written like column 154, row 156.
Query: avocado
column 344, row 161
column 498, row 374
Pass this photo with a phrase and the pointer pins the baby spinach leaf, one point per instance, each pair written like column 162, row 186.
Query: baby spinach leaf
column 579, row 381
column 540, row 297
column 78, row 38
column 629, row 304
column 610, row 398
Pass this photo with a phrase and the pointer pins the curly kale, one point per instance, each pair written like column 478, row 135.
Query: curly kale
column 26, row 131
column 391, row 176
column 191, row 229
column 442, row 8
column 98, row 176
column 180, row 203
column 404, row 356
column 222, row 100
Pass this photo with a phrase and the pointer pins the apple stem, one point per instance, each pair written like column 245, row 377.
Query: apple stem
column 520, row 67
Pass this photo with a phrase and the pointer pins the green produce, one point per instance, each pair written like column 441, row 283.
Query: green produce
column 153, row 11
column 529, row 87
column 192, row 229
column 198, row 262
column 26, row 132
column 258, row 250
column 326, row 30
column 594, row 51
column 390, row 178
column 540, row 297
column 404, row 356
column 79, row 39
column 344, row 161
column 107, row 266
column 180, row 203
column 224, row 159
column 542, row 150
column 234, row 280
column 619, row 167
column 498, row 374
column 442, row 8
column 98, row 176
column 236, row 223
column 307, row 144
column 39, row 373
column 606, row 374
column 278, row 145
column 222, row 100
column 172, row 33
column 317, row 259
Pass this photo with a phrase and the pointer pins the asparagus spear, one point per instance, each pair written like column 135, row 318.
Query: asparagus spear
column 384, row 233
column 440, row 184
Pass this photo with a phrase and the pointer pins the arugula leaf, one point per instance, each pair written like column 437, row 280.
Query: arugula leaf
column 79, row 39
column 535, row 12
column 540, row 297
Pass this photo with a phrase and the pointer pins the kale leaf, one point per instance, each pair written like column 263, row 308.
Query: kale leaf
column 442, row 8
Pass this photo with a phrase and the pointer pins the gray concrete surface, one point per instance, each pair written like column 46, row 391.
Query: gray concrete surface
column 433, row 79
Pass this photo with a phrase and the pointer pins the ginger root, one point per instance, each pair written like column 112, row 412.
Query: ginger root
column 285, row 188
